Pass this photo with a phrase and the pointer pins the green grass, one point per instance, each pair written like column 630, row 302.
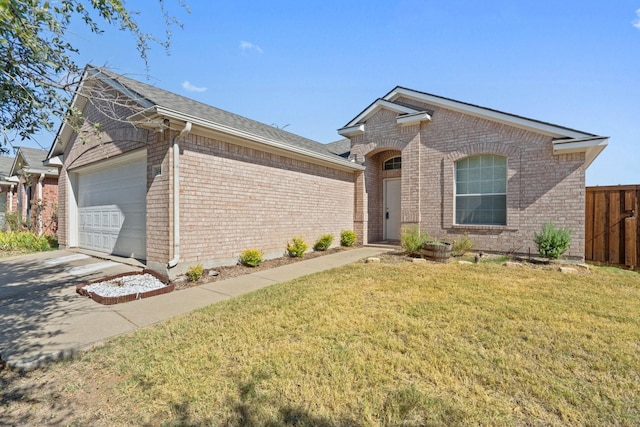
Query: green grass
column 391, row 344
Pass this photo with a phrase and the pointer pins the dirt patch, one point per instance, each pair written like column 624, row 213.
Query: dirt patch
column 240, row 270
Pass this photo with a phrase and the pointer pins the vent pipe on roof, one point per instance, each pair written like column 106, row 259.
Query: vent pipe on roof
column 176, row 195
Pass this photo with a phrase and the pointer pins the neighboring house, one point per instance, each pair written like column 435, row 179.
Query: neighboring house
column 175, row 182
column 7, row 188
column 36, row 190
column 454, row 168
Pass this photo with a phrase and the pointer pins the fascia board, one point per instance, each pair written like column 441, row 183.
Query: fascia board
column 489, row 114
column 377, row 105
column 56, row 161
column 352, row 130
column 412, row 119
column 592, row 147
column 38, row 171
column 240, row 137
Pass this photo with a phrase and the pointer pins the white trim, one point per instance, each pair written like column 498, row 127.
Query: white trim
column 127, row 157
column 54, row 161
column 489, row 114
column 413, row 119
column 592, row 147
column 352, row 130
column 376, row 106
column 242, row 138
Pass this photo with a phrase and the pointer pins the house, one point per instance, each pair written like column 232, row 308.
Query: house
column 6, row 188
column 175, row 182
column 153, row 175
column 34, row 194
column 454, row 168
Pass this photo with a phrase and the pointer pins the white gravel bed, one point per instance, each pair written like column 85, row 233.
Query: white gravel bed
column 125, row 285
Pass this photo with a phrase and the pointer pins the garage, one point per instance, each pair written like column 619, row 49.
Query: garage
column 112, row 206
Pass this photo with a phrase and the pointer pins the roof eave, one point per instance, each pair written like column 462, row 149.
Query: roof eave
column 151, row 118
column 592, row 147
column 487, row 113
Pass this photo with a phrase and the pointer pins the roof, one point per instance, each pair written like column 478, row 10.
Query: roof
column 341, row 147
column 565, row 140
column 5, row 166
column 32, row 156
column 159, row 102
column 30, row 160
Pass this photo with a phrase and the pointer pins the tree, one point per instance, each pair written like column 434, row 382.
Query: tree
column 39, row 76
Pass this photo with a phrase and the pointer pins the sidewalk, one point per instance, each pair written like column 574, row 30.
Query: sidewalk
column 73, row 323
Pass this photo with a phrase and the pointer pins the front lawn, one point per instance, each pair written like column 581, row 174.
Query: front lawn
column 377, row 344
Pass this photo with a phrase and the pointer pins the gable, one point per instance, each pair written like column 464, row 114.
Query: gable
column 400, row 99
column 160, row 108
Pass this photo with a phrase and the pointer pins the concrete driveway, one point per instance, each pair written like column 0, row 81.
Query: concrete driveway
column 42, row 317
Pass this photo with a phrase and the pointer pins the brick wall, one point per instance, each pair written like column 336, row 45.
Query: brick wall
column 541, row 187
column 234, row 198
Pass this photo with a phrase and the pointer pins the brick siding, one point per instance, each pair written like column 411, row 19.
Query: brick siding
column 541, row 187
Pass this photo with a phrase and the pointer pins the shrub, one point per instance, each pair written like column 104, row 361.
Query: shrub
column 411, row 239
column 194, row 273
column 323, row 242
column 347, row 238
column 552, row 242
column 251, row 257
column 297, row 247
column 23, row 241
column 462, row 246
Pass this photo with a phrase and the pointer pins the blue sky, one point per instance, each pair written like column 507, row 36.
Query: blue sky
column 314, row 65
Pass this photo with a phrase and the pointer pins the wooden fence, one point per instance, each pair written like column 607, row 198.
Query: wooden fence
column 612, row 233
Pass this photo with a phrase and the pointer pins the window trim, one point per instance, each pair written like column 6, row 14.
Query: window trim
column 481, row 194
column 393, row 161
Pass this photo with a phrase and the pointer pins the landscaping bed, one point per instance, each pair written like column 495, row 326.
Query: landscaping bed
column 126, row 287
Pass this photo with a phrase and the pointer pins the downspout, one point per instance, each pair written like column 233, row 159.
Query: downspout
column 40, row 204
column 176, row 195
column 11, row 197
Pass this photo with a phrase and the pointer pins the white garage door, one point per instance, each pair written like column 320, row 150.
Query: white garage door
column 112, row 209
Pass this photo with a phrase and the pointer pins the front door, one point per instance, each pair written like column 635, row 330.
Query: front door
column 392, row 209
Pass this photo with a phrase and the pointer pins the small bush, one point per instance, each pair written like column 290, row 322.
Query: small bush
column 552, row 242
column 23, row 241
column 251, row 257
column 347, row 238
column 194, row 273
column 323, row 242
column 297, row 247
column 411, row 239
column 462, row 246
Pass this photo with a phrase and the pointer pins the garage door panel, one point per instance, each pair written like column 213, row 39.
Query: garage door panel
column 112, row 209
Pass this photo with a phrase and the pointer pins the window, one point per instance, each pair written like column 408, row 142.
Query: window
column 481, row 190
column 393, row 163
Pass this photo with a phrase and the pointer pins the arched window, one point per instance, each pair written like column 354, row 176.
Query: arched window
column 393, row 163
column 481, row 190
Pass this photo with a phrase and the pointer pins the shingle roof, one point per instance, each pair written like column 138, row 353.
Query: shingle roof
column 33, row 156
column 161, row 97
column 5, row 165
column 341, row 147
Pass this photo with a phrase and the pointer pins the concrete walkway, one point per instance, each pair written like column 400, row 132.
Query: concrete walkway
column 44, row 320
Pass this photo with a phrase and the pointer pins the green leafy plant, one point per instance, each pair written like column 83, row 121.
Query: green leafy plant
column 412, row 238
column 194, row 273
column 347, row 238
column 297, row 247
column 462, row 246
column 251, row 257
column 323, row 242
column 23, row 241
column 552, row 242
